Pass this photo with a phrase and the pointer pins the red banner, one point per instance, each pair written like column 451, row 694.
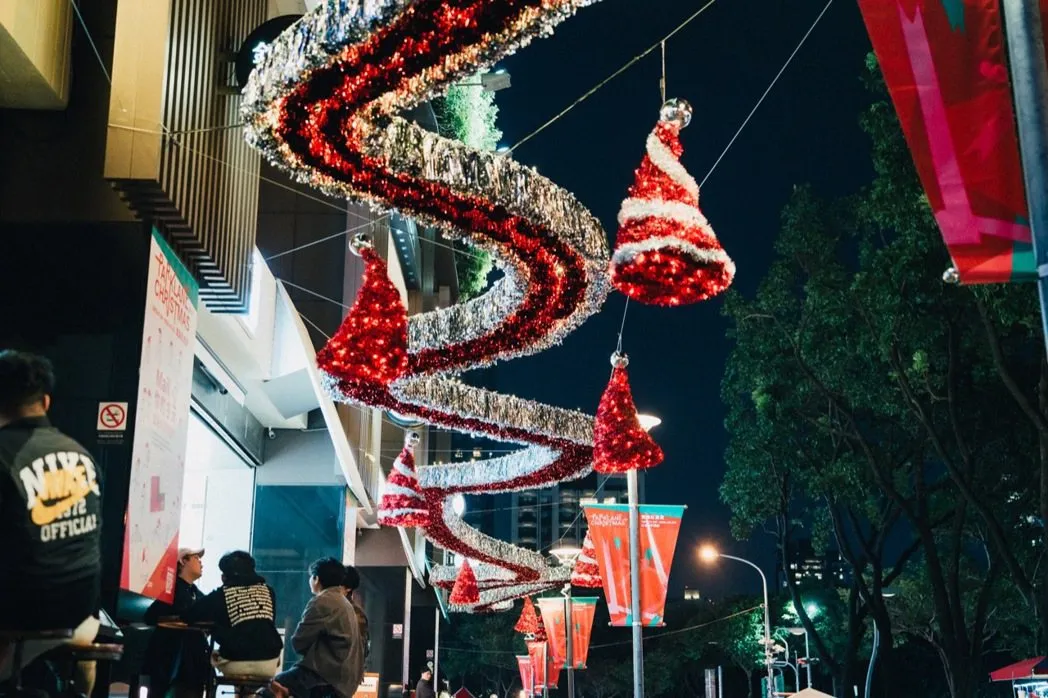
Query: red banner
column 659, row 526
column 527, row 676
column 539, row 664
column 944, row 64
column 582, row 612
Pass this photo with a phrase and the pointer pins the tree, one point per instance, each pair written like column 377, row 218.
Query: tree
column 869, row 401
column 481, row 651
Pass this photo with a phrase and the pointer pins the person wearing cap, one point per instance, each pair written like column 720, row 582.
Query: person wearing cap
column 50, row 517
column 243, row 611
column 178, row 661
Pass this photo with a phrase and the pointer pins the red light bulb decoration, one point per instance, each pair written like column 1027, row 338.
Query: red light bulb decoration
column 465, row 591
column 619, row 442
column 586, row 572
column 371, row 345
column 528, row 623
column 402, row 504
column 666, row 253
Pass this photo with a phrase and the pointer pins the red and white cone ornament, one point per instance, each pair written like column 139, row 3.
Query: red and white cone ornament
column 402, row 504
column 465, row 592
column 540, row 632
column 666, row 253
column 529, row 620
column 620, row 443
column 370, row 348
column 587, row 572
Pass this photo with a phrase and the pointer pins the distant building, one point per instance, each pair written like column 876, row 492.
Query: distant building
column 692, row 594
column 808, row 568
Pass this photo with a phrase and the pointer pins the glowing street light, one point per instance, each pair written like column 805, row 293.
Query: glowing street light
column 709, row 554
column 648, row 421
column 458, row 504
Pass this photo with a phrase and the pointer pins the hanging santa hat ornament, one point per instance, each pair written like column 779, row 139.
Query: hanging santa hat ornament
column 620, row 443
column 528, row 623
column 586, row 572
column 465, row 592
column 402, row 503
column 666, row 252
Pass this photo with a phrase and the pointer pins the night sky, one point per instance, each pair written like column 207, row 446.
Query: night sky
column 806, row 131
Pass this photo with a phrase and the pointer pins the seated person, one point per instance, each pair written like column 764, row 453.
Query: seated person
column 350, row 583
column 50, row 518
column 177, row 661
column 328, row 639
column 243, row 610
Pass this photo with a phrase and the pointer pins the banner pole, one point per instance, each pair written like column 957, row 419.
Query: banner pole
column 1025, row 43
column 569, row 628
column 638, row 629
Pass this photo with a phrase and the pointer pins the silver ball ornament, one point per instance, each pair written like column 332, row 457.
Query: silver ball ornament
column 359, row 243
column 412, row 439
column 951, row 276
column 620, row 360
column 676, row 111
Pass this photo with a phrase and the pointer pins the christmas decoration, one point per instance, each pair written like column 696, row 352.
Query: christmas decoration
column 401, row 503
column 666, row 252
column 619, row 442
column 528, row 623
column 586, row 572
column 465, row 591
column 370, row 347
column 540, row 632
column 323, row 103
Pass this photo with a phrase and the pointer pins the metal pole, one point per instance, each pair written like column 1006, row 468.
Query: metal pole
column 767, row 623
column 873, row 657
column 436, row 651
column 405, row 668
column 569, row 627
column 638, row 629
column 720, row 681
column 1025, row 42
column 807, row 657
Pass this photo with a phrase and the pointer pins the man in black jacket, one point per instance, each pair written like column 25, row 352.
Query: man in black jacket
column 50, row 515
column 178, row 660
column 243, row 611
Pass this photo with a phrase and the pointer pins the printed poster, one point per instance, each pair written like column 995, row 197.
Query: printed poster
column 582, row 611
column 659, row 526
column 527, row 679
column 161, row 424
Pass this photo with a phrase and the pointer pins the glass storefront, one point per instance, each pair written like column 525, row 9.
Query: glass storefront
column 218, row 500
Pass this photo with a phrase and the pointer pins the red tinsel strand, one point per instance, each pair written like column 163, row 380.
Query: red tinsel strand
column 465, row 591
column 620, row 443
column 371, row 345
column 528, row 622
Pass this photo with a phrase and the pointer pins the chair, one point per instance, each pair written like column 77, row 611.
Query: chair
column 72, row 654
column 242, row 685
column 19, row 638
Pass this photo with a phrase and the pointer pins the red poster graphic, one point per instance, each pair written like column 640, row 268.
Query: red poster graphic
column 527, row 678
column 582, row 612
column 537, row 654
column 659, row 526
column 552, row 610
column 944, row 64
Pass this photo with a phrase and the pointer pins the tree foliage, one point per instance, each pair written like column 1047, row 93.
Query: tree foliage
column 892, row 417
column 469, row 114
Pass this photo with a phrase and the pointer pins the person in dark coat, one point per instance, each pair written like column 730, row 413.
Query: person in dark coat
column 178, row 662
column 424, row 689
column 243, row 612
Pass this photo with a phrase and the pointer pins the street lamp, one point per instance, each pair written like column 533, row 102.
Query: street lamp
column 458, row 504
column 567, row 552
column 886, row 594
column 807, row 651
column 710, row 554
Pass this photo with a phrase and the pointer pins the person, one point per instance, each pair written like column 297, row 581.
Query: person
column 176, row 661
column 50, row 518
column 328, row 639
column 350, row 584
column 243, row 611
column 424, row 688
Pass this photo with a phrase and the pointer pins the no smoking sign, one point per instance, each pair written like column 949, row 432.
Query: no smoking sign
column 112, row 416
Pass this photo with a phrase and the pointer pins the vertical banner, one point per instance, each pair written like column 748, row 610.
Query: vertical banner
column 659, row 526
column 527, row 676
column 582, row 611
column 539, row 663
column 161, row 422
column 947, row 74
